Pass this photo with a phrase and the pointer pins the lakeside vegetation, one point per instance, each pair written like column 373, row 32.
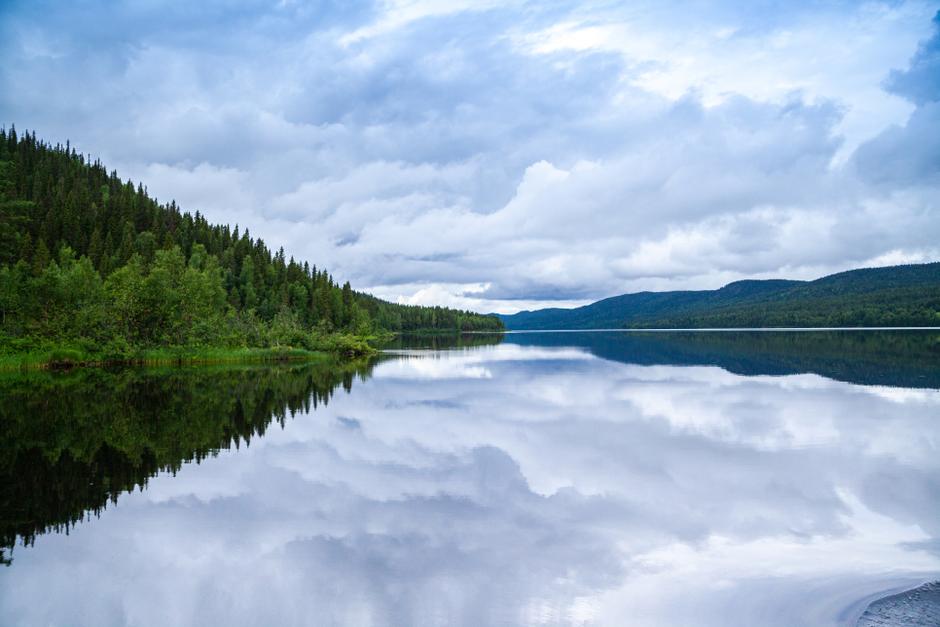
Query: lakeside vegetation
column 56, row 357
column 92, row 269
column 898, row 296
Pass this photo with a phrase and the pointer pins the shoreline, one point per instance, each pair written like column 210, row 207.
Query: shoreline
column 66, row 360
column 54, row 360
column 714, row 330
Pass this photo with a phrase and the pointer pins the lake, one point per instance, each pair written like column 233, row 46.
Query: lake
column 723, row 479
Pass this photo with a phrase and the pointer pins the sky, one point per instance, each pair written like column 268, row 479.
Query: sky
column 501, row 156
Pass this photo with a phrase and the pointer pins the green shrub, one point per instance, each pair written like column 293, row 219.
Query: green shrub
column 65, row 358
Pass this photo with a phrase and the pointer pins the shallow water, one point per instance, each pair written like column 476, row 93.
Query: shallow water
column 643, row 479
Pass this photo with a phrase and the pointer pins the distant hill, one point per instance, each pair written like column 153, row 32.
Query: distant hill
column 907, row 295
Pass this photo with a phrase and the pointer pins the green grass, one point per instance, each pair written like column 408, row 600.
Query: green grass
column 22, row 361
column 227, row 355
column 30, row 352
column 67, row 357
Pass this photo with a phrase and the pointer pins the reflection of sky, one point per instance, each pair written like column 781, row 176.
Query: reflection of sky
column 514, row 485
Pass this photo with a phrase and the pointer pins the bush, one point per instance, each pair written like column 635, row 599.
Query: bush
column 65, row 358
column 117, row 349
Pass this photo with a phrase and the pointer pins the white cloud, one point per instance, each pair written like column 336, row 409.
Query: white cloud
column 718, row 53
column 397, row 14
column 555, row 154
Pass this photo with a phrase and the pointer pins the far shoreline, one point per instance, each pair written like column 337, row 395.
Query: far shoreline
column 705, row 330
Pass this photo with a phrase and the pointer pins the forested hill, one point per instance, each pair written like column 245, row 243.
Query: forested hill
column 906, row 295
column 89, row 258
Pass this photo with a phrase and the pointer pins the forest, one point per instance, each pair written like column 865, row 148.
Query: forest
column 94, row 266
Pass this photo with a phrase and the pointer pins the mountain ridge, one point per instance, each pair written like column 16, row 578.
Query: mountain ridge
column 903, row 295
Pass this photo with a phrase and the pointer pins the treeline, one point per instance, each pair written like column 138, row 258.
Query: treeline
column 902, row 307
column 897, row 296
column 85, row 256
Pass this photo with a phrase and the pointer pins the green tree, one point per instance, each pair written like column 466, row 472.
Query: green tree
column 246, row 282
column 40, row 258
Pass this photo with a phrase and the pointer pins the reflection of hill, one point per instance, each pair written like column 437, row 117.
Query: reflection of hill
column 895, row 358
column 72, row 443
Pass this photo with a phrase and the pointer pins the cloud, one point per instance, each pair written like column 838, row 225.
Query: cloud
column 919, row 83
column 552, row 153
column 910, row 154
column 721, row 51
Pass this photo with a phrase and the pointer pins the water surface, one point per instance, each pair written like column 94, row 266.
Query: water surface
column 609, row 479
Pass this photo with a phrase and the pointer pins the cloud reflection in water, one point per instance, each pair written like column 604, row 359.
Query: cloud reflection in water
column 523, row 485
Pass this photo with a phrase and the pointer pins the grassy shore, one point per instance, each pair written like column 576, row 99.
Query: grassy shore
column 65, row 356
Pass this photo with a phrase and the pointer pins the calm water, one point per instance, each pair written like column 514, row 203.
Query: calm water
column 610, row 479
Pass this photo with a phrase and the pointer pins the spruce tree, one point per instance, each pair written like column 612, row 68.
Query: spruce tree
column 40, row 257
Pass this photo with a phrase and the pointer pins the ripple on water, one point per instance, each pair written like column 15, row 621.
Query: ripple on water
column 919, row 607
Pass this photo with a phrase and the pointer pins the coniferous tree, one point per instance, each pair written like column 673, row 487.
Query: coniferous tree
column 40, row 257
